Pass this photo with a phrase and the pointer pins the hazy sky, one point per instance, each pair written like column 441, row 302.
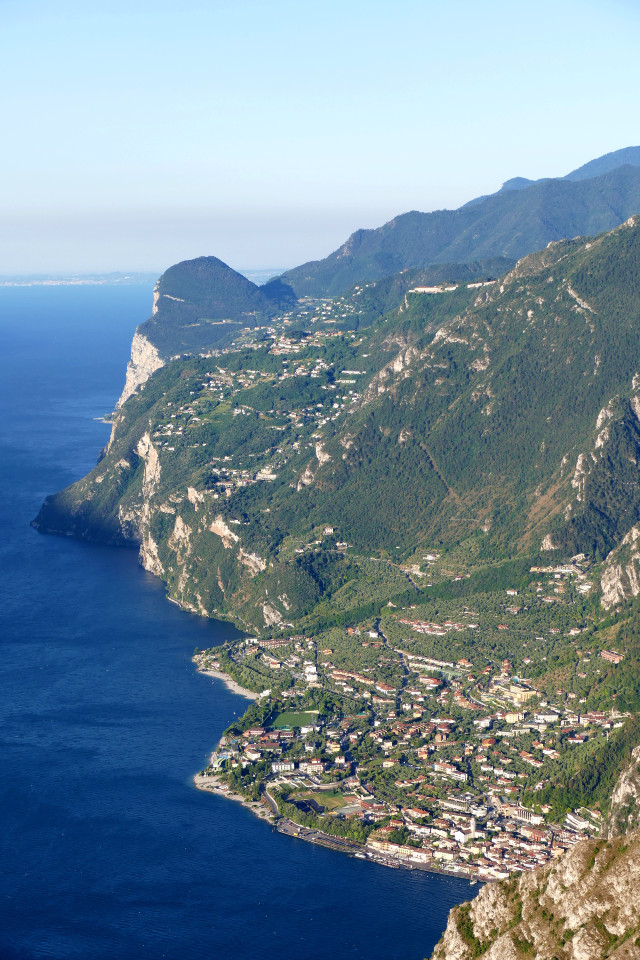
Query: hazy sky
column 266, row 131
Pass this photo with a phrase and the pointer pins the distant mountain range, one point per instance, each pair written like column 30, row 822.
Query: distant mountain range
column 523, row 216
column 201, row 304
column 594, row 168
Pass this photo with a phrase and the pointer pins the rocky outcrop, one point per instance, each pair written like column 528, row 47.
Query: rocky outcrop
column 272, row 617
column 306, row 478
column 149, row 557
column 624, row 812
column 400, row 365
column 220, row 528
column 582, row 907
column 149, row 454
column 321, row 455
column 144, row 361
column 620, row 578
column 252, row 562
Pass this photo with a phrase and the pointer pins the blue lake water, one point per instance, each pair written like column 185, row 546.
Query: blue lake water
column 106, row 849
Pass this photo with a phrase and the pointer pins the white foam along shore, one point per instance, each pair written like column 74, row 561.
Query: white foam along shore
column 228, row 681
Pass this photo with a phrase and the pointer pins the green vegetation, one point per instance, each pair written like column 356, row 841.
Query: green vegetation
column 405, row 499
column 291, row 718
column 466, row 931
column 589, row 780
column 396, row 441
column 506, row 224
column 202, row 303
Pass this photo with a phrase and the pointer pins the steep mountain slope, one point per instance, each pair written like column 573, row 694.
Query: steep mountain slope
column 620, row 579
column 510, row 223
column 624, row 810
column 499, row 415
column 584, row 907
column 199, row 305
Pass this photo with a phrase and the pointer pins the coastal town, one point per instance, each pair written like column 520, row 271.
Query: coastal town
column 419, row 702
column 364, row 739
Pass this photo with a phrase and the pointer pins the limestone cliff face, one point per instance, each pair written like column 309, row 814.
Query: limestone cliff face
column 144, row 361
column 586, row 906
column 620, row 578
column 624, row 812
column 152, row 470
column 138, row 496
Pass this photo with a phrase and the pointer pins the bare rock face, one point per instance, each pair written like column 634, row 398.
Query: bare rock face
column 624, row 812
column 149, row 454
column 145, row 360
column 149, row 558
column 620, row 578
column 585, row 906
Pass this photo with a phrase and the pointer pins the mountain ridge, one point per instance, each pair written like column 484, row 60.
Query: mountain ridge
column 583, row 907
column 604, row 164
column 442, row 384
column 509, row 223
column 199, row 304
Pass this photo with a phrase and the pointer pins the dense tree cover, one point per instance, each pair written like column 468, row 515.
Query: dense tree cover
column 336, row 826
column 202, row 301
column 588, row 781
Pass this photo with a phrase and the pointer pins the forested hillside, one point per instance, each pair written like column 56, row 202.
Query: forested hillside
column 496, row 415
column 201, row 304
column 510, row 223
column 420, row 496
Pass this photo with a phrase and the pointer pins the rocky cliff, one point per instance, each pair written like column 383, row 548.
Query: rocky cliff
column 620, row 578
column 624, row 811
column 198, row 305
column 586, row 906
column 144, row 361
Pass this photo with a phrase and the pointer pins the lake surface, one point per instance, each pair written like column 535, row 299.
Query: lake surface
column 106, row 849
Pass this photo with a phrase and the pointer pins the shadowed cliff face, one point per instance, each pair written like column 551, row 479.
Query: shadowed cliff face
column 198, row 305
column 584, row 907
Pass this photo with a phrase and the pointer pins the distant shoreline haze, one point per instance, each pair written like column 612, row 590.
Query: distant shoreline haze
column 256, row 274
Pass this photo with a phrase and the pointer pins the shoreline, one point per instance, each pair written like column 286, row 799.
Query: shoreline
column 263, row 809
column 210, row 783
column 228, row 681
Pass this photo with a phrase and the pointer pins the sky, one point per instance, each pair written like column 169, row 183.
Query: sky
column 265, row 132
